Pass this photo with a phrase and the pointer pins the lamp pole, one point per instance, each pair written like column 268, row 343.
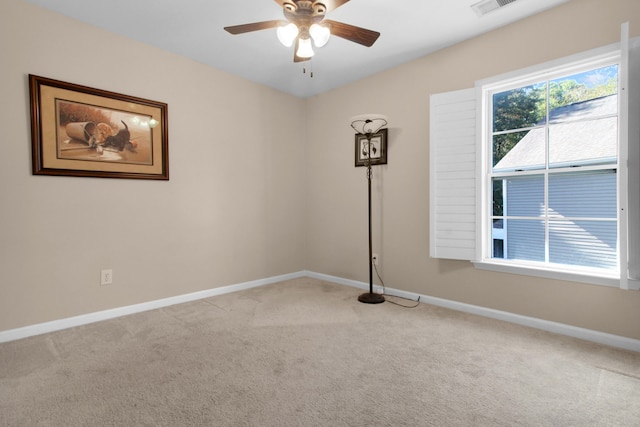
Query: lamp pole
column 368, row 125
column 370, row 297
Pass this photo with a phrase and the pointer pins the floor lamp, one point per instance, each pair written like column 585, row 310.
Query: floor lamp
column 368, row 125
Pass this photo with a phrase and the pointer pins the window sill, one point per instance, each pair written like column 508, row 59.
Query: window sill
column 572, row 276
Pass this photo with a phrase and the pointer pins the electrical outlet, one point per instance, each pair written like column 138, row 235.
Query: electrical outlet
column 106, row 277
column 375, row 258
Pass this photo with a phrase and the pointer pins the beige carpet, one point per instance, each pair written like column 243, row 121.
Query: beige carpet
column 306, row 353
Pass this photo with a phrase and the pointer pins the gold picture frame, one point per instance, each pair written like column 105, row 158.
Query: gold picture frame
column 85, row 132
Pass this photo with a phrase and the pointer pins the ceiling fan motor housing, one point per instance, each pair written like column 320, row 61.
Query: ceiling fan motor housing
column 297, row 9
column 304, row 13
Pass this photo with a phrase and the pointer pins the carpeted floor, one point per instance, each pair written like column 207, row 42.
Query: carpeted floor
column 306, row 353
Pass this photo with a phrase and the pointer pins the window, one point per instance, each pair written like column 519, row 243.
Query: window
column 536, row 172
column 553, row 147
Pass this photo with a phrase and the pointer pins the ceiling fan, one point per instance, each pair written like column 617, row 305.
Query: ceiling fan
column 305, row 22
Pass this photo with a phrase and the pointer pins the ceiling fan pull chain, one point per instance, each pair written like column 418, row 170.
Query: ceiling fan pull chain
column 304, row 69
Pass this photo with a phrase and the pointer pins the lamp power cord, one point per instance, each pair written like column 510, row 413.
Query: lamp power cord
column 384, row 292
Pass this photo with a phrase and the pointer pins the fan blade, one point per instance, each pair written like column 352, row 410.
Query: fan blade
column 255, row 26
column 333, row 4
column 352, row 33
column 330, row 4
column 296, row 58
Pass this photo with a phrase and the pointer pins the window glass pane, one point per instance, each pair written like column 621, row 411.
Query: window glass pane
column 519, row 150
column 583, row 243
column 498, row 248
column 525, row 240
column 584, row 95
column 583, row 194
column 583, row 143
column 498, row 236
column 519, row 108
column 525, row 196
column 498, row 196
column 543, row 213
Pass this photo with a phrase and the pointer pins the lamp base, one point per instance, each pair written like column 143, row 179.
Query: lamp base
column 371, row 298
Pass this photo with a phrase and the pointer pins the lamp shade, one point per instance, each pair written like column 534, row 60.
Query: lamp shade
column 319, row 34
column 369, row 123
column 287, row 34
column 304, row 48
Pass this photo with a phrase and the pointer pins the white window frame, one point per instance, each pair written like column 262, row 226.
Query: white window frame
column 484, row 90
column 446, row 237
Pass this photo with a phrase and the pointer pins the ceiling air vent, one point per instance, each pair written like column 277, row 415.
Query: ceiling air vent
column 486, row 6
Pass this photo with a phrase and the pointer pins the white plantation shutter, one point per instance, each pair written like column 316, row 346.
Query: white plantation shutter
column 623, row 156
column 630, row 128
column 452, row 188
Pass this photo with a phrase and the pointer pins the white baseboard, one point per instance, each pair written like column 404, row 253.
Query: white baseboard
column 545, row 325
column 84, row 319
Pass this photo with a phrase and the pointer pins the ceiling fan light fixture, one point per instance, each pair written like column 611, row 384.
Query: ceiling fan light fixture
column 319, row 34
column 305, row 50
column 287, row 34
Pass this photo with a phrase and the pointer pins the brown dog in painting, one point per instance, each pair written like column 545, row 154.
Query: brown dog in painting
column 103, row 132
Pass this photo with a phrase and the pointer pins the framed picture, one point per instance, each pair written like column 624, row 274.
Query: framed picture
column 377, row 148
column 81, row 131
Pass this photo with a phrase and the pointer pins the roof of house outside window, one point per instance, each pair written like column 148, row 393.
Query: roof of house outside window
column 579, row 134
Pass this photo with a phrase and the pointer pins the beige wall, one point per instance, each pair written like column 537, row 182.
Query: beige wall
column 230, row 213
column 337, row 190
column 249, row 200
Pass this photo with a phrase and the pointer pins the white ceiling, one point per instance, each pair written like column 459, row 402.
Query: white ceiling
column 194, row 28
